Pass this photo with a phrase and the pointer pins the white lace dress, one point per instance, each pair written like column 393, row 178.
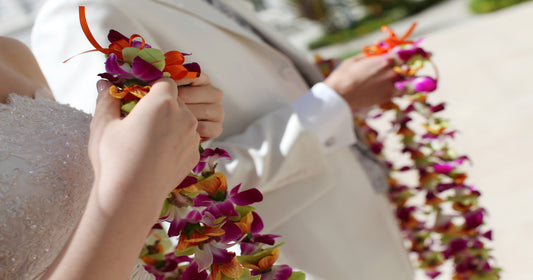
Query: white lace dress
column 45, row 180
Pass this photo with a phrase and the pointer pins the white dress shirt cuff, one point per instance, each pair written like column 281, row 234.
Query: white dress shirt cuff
column 325, row 113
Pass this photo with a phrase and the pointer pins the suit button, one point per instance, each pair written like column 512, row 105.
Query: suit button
column 330, row 142
column 289, row 73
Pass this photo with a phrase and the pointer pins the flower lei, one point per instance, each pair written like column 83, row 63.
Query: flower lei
column 437, row 210
column 207, row 223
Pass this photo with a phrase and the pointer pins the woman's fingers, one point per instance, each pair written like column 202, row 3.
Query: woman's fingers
column 107, row 107
column 165, row 86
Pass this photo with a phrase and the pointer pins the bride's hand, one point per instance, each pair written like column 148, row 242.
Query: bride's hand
column 204, row 101
column 147, row 153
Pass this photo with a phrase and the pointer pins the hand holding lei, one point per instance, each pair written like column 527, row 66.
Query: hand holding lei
column 207, row 222
column 437, row 210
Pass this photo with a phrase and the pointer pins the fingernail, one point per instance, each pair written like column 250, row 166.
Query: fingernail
column 101, row 85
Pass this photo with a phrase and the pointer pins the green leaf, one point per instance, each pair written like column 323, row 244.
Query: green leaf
column 128, row 106
column 243, row 211
column 248, row 276
column 219, row 195
column 131, row 82
column 297, row 275
column 187, row 252
column 254, row 258
column 129, row 53
column 164, row 209
column 153, row 56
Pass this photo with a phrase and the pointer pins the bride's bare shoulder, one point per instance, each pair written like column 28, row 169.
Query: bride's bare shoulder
column 19, row 68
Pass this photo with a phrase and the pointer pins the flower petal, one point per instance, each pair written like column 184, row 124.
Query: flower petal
column 232, row 232
column 221, row 256
column 424, row 84
column 203, row 257
column 113, row 67
column 192, row 272
column 474, row 219
column 257, row 223
column 188, row 181
column 114, row 36
column 145, row 71
column 246, row 197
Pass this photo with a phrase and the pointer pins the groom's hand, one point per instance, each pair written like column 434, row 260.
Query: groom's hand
column 363, row 81
column 205, row 102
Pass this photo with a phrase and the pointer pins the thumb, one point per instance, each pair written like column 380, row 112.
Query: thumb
column 107, row 107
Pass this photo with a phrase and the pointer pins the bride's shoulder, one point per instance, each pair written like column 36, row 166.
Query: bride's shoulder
column 20, row 70
column 11, row 44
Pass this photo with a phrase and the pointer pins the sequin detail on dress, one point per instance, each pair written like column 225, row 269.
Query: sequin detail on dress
column 45, row 180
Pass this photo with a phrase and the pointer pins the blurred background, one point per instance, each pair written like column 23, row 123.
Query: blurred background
column 484, row 52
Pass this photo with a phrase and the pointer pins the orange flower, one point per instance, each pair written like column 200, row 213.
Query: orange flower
column 174, row 66
column 405, row 131
column 264, row 263
column 197, row 237
column 135, row 90
column 432, row 199
column 459, row 179
column 427, row 178
column 245, row 223
column 232, row 270
column 211, row 184
column 389, row 43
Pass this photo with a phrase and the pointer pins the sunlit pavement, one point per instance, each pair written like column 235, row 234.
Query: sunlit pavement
column 486, row 78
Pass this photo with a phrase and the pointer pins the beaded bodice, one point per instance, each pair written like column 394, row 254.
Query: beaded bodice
column 45, row 180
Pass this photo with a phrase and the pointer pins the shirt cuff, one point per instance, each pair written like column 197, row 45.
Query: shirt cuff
column 325, row 113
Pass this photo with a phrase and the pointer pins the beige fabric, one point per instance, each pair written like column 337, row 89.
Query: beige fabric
column 335, row 225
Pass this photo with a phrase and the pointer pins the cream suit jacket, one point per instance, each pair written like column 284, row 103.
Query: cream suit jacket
column 335, row 225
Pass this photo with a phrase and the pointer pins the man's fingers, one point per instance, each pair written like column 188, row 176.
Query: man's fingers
column 209, row 112
column 200, row 81
column 359, row 56
column 201, row 94
column 209, row 130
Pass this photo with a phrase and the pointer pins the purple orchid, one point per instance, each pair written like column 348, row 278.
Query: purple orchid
column 208, row 158
column 180, row 217
column 168, row 270
column 417, row 84
column 139, row 69
column 278, row 272
column 473, row 219
column 192, row 272
column 456, row 246
column 210, row 253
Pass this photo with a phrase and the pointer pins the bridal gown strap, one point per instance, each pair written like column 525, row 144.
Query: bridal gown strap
column 45, row 180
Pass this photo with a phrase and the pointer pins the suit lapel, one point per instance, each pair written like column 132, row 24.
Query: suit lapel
column 311, row 73
column 204, row 11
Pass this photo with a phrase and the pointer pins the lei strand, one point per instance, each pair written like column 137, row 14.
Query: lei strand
column 437, row 210
column 207, row 223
